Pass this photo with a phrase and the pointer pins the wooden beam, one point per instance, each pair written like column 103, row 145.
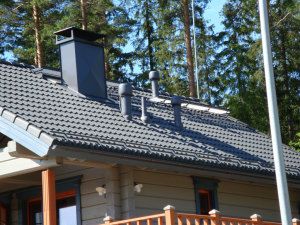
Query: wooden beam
column 49, row 197
column 17, row 150
column 11, row 166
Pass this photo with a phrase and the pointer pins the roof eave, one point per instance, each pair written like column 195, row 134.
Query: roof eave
column 24, row 133
column 175, row 166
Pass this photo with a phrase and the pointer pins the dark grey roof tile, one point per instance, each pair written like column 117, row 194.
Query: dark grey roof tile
column 206, row 138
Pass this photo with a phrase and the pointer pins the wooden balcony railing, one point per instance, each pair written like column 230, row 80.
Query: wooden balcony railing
column 170, row 217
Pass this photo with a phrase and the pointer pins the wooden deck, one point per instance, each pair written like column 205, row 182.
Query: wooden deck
column 170, row 217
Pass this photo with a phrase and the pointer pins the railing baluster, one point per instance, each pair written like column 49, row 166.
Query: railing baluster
column 179, row 220
column 160, row 221
column 188, row 221
column 149, row 222
column 138, row 222
column 197, row 221
column 205, row 222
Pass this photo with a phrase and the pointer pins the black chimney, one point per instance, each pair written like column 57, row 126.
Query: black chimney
column 82, row 61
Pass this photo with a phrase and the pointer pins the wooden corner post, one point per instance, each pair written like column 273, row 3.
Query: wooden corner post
column 170, row 215
column 49, row 197
column 215, row 217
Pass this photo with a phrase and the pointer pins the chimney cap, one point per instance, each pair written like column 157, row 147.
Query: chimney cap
column 74, row 32
column 176, row 100
column 154, row 75
column 125, row 89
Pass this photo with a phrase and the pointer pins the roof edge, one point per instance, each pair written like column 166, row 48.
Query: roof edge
column 25, row 133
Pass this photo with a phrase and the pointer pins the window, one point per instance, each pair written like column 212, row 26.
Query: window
column 65, row 209
column 205, row 195
column 68, row 203
column 3, row 215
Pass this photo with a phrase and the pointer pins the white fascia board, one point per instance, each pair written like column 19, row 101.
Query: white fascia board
column 23, row 137
column 11, row 166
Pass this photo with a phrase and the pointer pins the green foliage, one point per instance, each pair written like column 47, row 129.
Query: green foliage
column 296, row 143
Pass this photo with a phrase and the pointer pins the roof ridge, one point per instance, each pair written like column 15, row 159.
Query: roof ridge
column 18, row 64
column 163, row 93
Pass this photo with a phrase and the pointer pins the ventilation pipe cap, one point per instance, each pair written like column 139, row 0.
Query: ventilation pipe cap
column 125, row 93
column 154, row 78
column 125, row 89
column 176, row 103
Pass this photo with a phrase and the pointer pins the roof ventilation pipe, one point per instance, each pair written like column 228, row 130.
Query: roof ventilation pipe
column 176, row 103
column 125, row 93
column 144, row 116
column 154, row 78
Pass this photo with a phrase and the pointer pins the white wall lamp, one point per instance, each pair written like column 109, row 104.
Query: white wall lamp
column 101, row 190
column 138, row 187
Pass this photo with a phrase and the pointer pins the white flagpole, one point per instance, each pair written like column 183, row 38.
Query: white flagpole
column 282, row 188
column 195, row 50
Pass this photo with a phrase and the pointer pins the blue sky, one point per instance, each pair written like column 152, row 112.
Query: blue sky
column 212, row 13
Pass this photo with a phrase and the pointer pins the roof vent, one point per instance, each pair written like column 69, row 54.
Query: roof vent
column 176, row 103
column 144, row 116
column 154, row 78
column 125, row 93
column 82, row 61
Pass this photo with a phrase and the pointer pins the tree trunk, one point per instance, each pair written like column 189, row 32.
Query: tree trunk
column 188, row 45
column 83, row 7
column 38, row 58
column 149, row 31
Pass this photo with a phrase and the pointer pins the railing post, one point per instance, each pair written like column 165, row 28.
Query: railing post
column 170, row 215
column 215, row 217
column 257, row 219
column 107, row 220
column 296, row 221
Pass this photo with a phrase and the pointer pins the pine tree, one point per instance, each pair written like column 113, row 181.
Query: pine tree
column 188, row 45
column 242, row 68
column 240, row 64
column 285, row 40
column 29, row 30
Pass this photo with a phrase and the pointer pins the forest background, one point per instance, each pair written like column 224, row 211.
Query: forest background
column 159, row 34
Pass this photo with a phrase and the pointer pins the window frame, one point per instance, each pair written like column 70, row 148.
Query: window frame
column 5, row 201
column 26, row 195
column 209, row 185
column 59, row 196
column 2, row 206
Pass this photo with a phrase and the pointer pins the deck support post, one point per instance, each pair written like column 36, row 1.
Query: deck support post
column 107, row 220
column 216, row 215
column 256, row 218
column 170, row 215
column 49, row 197
column 296, row 221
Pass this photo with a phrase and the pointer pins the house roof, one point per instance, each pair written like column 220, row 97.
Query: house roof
column 55, row 115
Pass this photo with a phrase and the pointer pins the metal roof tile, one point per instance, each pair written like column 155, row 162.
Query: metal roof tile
column 56, row 113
